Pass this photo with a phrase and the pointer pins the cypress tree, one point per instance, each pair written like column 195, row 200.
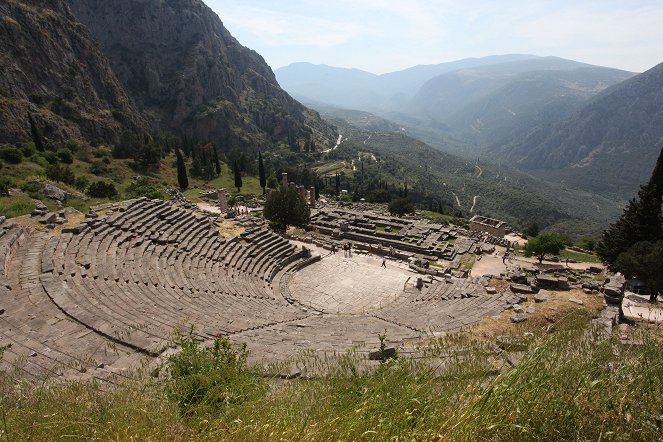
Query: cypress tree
column 261, row 173
column 338, row 183
column 238, row 176
column 36, row 135
column 182, row 178
column 217, row 164
column 405, row 191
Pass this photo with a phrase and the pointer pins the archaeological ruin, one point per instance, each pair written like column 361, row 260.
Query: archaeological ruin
column 94, row 299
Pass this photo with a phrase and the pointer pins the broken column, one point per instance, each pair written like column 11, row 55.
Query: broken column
column 223, row 200
column 311, row 195
column 284, row 179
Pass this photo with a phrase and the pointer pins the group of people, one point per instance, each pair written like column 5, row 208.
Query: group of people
column 347, row 249
column 347, row 252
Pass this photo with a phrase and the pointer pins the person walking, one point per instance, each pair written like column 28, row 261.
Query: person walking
column 384, row 262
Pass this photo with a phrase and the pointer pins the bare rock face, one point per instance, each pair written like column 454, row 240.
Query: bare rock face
column 55, row 71
column 188, row 73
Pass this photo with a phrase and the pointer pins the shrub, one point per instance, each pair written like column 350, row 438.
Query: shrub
column 11, row 155
column 81, row 182
column 65, row 156
column 100, row 189
column 28, row 149
column 401, row 206
column 72, row 146
column 212, row 379
column 50, row 156
column 99, row 168
column 58, row 172
column 5, row 185
column 142, row 187
column 39, row 160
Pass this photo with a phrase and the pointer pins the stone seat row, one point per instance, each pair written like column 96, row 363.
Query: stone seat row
column 134, row 289
column 39, row 338
column 451, row 288
column 442, row 315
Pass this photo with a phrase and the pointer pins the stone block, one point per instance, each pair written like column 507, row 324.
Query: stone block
column 518, row 317
column 521, row 288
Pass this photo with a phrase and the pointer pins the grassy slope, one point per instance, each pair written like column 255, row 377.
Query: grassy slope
column 569, row 385
column 120, row 173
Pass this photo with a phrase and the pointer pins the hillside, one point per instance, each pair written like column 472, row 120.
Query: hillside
column 436, row 179
column 191, row 77
column 589, row 150
column 527, row 101
column 54, row 70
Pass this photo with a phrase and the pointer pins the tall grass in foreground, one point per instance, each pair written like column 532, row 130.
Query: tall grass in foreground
column 568, row 385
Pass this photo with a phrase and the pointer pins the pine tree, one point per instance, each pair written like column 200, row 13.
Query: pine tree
column 642, row 220
column 182, row 178
column 238, row 176
column 261, row 173
column 36, row 135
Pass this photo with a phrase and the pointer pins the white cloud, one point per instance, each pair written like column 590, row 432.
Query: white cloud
column 384, row 35
column 277, row 28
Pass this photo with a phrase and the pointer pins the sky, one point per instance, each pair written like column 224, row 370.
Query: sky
column 388, row 35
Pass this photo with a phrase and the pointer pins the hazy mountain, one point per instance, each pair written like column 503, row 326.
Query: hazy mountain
column 530, row 100
column 357, row 89
column 445, row 95
column 191, row 76
column 53, row 70
column 610, row 145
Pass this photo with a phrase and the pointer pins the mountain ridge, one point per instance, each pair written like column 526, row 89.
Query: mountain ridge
column 188, row 72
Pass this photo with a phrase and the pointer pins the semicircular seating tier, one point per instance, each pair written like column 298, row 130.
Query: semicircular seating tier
column 134, row 277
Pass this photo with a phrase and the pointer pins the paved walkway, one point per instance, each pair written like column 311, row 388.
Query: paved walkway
column 349, row 285
column 638, row 308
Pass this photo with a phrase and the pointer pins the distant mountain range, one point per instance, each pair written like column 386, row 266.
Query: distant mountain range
column 581, row 126
column 357, row 89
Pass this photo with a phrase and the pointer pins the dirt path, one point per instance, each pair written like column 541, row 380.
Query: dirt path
column 338, row 143
column 457, row 200
column 480, row 171
column 474, row 203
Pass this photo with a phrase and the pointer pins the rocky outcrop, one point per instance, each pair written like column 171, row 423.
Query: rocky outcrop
column 53, row 70
column 192, row 77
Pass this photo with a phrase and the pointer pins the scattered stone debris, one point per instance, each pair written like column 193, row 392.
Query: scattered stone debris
column 518, row 317
column 379, row 355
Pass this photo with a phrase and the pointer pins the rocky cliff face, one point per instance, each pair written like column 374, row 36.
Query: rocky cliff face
column 191, row 77
column 53, row 69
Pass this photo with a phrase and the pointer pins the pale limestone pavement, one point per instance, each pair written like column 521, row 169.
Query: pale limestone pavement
column 638, row 308
column 356, row 284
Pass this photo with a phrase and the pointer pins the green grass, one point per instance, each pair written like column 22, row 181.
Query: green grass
column 569, row 384
column 578, row 256
column 334, row 166
column 11, row 206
